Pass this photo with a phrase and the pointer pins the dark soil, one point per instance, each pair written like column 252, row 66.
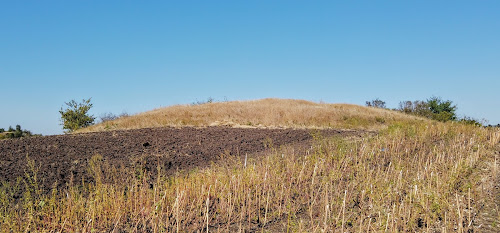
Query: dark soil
column 60, row 158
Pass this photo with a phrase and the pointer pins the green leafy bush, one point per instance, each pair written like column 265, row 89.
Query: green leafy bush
column 470, row 121
column 442, row 110
column 76, row 116
column 434, row 108
column 416, row 107
column 14, row 133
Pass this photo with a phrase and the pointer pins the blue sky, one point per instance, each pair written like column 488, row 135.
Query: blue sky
column 134, row 56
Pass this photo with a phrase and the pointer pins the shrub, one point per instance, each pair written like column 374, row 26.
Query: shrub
column 416, row 107
column 434, row 108
column 76, row 115
column 18, row 133
column 377, row 103
column 14, row 133
column 442, row 110
column 108, row 117
column 111, row 116
column 124, row 114
column 470, row 121
column 208, row 101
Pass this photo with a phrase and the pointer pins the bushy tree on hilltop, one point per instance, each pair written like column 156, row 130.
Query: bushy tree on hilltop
column 14, row 133
column 470, row 121
column 434, row 108
column 108, row 117
column 442, row 110
column 377, row 103
column 416, row 107
column 76, row 116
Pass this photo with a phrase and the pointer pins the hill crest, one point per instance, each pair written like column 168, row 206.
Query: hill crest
column 265, row 113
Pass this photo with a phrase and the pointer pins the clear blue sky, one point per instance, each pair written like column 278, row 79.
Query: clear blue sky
column 135, row 56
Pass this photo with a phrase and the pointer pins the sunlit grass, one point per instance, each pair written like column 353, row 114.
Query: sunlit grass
column 410, row 177
column 261, row 113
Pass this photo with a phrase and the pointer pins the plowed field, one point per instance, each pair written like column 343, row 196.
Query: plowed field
column 58, row 159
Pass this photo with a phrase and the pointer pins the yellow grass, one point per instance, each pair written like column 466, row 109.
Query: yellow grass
column 412, row 177
column 260, row 113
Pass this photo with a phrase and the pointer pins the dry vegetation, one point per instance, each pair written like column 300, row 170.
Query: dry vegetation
column 260, row 113
column 421, row 176
column 414, row 176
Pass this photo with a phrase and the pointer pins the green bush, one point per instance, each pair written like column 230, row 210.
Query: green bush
column 75, row 116
column 18, row 133
column 470, row 121
column 14, row 133
column 442, row 110
column 434, row 108
column 417, row 107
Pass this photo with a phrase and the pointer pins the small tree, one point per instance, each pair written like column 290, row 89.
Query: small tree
column 14, row 133
column 434, row 108
column 76, row 115
column 18, row 133
column 108, row 117
column 470, row 121
column 377, row 103
column 442, row 110
column 417, row 107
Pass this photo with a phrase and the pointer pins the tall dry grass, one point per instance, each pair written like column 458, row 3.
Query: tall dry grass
column 411, row 177
column 260, row 113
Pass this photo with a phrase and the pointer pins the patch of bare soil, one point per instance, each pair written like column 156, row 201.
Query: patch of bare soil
column 58, row 159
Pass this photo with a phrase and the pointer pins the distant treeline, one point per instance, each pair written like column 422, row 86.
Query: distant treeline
column 433, row 108
column 15, row 133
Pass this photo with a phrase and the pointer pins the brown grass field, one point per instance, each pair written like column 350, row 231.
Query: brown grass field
column 274, row 113
column 413, row 175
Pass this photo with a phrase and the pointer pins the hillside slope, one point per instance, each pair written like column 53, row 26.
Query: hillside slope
column 412, row 175
column 272, row 113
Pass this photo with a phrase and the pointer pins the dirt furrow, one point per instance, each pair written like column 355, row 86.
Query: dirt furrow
column 64, row 157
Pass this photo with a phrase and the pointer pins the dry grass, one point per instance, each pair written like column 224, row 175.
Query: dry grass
column 411, row 177
column 260, row 113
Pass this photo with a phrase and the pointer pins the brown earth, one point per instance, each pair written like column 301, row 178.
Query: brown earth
column 59, row 158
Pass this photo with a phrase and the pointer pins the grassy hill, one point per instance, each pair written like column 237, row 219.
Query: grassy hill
column 260, row 113
column 414, row 175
